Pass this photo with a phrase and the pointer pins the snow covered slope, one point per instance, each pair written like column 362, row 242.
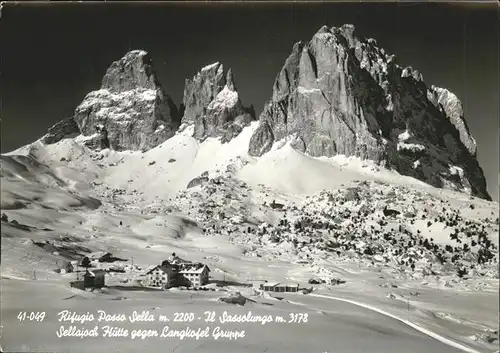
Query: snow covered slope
column 331, row 223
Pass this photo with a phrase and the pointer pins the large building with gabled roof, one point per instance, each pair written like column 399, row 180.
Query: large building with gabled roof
column 176, row 273
column 196, row 274
column 161, row 276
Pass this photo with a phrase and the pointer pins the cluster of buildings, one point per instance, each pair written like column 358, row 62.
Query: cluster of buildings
column 176, row 272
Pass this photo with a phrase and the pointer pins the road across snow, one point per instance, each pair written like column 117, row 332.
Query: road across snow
column 406, row 322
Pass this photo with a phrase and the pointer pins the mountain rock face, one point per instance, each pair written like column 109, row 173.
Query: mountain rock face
column 62, row 129
column 130, row 112
column 338, row 94
column 451, row 106
column 211, row 102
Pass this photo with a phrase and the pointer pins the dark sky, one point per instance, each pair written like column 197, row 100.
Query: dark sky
column 53, row 54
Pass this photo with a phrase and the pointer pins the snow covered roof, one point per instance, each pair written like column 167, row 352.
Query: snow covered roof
column 161, row 268
column 271, row 284
column 275, row 284
column 94, row 273
column 193, row 268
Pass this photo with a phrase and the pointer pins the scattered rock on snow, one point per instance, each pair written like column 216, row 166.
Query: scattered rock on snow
column 391, row 296
column 197, row 181
column 234, row 298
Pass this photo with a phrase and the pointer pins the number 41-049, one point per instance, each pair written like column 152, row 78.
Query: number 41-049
column 31, row 316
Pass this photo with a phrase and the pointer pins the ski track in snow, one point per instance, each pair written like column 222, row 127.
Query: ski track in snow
column 421, row 329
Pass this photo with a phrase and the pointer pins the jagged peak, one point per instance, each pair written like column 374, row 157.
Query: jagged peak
column 412, row 73
column 298, row 46
column 348, row 33
column 135, row 54
column 213, row 105
column 230, row 80
column 305, row 90
column 452, row 107
column 348, row 27
column 133, row 70
column 216, row 65
column 390, row 58
column 324, row 29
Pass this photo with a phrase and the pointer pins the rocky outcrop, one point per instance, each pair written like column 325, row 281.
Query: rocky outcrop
column 338, row 94
column 212, row 103
column 451, row 106
column 197, row 181
column 99, row 140
column 65, row 128
column 203, row 178
column 131, row 109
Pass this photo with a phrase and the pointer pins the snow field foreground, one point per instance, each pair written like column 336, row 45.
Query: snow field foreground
column 284, row 217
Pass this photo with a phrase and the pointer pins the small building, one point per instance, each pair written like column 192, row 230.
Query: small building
column 196, row 274
column 292, row 287
column 66, row 267
column 280, row 287
column 107, row 257
column 276, row 206
column 94, row 278
column 161, row 276
column 85, row 262
column 269, row 286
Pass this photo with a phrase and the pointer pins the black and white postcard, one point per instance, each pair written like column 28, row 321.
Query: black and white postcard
column 249, row 177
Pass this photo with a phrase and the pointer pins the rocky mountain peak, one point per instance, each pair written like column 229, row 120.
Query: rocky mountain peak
column 129, row 112
column 230, row 80
column 213, row 105
column 201, row 90
column 451, row 106
column 342, row 94
column 134, row 70
column 347, row 31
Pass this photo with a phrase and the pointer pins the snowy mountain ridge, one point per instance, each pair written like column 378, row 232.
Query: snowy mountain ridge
column 340, row 94
column 336, row 94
